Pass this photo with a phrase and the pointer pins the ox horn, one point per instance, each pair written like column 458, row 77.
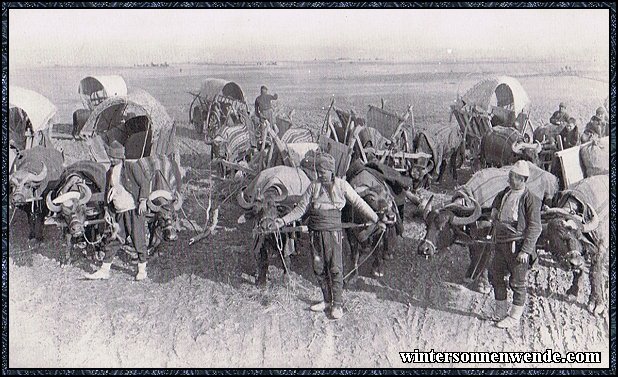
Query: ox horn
column 178, row 203
column 282, row 193
column 470, row 219
column 517, row 146
column 41, row 176
column 427, row 207
column 87, row 193
column 242, row 202
column 155, row 195
column 50, row 204
column 593, row 223
column 66, row 197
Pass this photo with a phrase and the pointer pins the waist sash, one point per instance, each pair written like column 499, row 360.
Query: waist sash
column 325, row 219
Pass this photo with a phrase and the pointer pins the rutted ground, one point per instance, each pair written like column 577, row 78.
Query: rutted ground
column 199, row 307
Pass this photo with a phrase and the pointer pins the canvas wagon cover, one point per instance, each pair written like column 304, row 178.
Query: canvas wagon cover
column 294, row 179
column 507, row 91
column 593, row 191
column 103, row 86
column 487, row 183
column 95, row 171
column 39, row 109
column 109, row 113
column 215, row 87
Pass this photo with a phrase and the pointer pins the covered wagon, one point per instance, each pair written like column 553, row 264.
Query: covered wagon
column 218, row 103
column 138, row 121
column 93, row 90
column 30, row 115
column 495, row 101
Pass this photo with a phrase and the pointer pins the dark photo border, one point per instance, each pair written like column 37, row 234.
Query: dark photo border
column 499, row 5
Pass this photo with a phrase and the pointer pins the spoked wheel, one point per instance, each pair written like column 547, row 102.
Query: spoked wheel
column 196, row 117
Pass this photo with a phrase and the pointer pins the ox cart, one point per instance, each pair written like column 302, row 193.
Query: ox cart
column 217, row 104
column 383, row 133
column 495, row 101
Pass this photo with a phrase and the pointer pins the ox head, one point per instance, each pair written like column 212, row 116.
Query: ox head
column 70, row 204
column 443, row 223
column 23, row 184
column 382, row 203
column 528, row 151
column 566, row 233
column 264, row 204
column 163, row 205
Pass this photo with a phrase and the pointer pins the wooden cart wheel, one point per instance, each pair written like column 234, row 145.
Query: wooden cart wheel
column 196, row 115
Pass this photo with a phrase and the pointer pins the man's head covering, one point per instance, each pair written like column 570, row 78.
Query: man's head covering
column 263, row 87
column 521, row 168
column 116, row 150
column 572, row 120
column 594, row 127
column 325, row 162
column 563, row 104
column 600, row 111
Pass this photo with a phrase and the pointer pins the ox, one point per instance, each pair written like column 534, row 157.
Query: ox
column 458, row 221
column 266, row 198
column 78, row 207
column 79, row 202
column 36, row 171
column 372, row 187
column 504, row 146
column 578, row 230
column 165, row 199
column 444, row 144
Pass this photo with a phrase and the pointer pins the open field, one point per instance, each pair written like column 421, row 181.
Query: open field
column 199, row 308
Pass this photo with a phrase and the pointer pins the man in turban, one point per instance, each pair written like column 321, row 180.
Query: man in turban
column 324, row 199
column 126, row 194
column 516, row 214
column 560, row 117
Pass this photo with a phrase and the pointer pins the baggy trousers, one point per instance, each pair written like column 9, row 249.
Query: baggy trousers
column 326, row 249
column 131, row 223
column 505, row 262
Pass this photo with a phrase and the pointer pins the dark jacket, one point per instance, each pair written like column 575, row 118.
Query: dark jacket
column 262, row 103
column 569, row 138
column 559, row 118
column 528, row 220
column 133, row 179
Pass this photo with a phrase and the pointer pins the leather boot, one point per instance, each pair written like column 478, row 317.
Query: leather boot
column 513, row 318
column 102, row 274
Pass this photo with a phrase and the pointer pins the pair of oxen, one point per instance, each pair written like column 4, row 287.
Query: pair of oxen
column 274, row 191
column 575, row 221
column 575, row 227
column 73, row 196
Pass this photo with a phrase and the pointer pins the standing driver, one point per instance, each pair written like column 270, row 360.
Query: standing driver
column 324, row 199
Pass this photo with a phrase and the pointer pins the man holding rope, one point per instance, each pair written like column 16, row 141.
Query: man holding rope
column 324, row 199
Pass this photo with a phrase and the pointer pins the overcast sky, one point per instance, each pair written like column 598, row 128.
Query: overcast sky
column 126, row 36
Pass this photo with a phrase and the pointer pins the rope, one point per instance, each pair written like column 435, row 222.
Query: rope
column 367, row 257
column 279, row 244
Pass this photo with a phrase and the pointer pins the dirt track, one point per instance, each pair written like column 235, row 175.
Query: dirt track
column 199, row 307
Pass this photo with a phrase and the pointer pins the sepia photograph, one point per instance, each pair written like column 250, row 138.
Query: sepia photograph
column 308, row 188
